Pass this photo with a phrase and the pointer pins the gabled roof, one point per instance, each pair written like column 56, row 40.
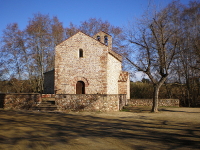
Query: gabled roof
column 114, row 54
column 78, row 33
column 72, row 36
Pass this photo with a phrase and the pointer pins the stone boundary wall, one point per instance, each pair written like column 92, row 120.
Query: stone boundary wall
column 80, row 102
column 149, row 102
column 19, row 101
column 90, row 102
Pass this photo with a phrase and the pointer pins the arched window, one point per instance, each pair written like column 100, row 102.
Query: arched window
column 106, row 40
column 80, row 87
column 80, row 53
column 98, row 38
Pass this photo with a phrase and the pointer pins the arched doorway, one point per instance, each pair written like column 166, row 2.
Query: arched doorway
column 80, row 87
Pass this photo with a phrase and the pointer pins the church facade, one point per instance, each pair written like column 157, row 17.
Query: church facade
column 87, row 65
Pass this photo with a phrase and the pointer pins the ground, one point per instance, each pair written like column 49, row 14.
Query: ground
column 171, row 128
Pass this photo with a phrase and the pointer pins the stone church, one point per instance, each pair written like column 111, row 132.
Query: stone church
column 87, row 65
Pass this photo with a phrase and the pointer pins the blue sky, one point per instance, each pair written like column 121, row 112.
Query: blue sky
column 117, row 12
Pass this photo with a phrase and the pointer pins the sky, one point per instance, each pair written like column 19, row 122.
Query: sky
column 117, row 12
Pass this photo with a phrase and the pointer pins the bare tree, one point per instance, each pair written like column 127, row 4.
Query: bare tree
column 43, row 33
column 187, row 66
column 156, row 40
column 12, row 53
column 93, row 26
column 71, row 30
column 27, row 54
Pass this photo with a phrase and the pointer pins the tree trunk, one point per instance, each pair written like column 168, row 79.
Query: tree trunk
column 156, row 92
column 155, row 99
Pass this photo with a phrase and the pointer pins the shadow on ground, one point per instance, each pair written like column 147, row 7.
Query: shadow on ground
column 37, row 130
column 135, row 109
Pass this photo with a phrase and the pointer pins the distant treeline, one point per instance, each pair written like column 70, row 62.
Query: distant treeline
column 144, row 90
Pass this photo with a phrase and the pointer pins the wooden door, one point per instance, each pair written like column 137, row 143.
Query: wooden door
column 80, row 87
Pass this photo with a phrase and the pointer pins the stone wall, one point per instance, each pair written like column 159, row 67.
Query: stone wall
column 19, row 101
column 90, row 102
column 124, row 84
column 149, row 102
column 113, row 72
column 86, row 102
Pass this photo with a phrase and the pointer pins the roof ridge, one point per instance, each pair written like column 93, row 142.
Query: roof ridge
column 115, row 54
column 85, row 34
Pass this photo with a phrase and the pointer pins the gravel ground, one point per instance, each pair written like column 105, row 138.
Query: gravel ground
column 171, row 128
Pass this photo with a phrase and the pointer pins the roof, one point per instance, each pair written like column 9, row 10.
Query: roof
column 49, row 71
column 114, row 54
column 74, row 35
column 123, row 77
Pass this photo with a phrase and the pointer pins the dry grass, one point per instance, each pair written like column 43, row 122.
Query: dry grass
column 171, row 128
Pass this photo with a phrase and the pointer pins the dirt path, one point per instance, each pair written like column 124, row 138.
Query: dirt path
column 171, row 128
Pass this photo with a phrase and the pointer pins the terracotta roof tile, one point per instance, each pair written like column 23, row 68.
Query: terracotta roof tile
column 123, row 77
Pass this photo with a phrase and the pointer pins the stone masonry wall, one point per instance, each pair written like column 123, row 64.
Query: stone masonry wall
column 128, row 87
column 90, row 102
column 91, row 68
column 122, row 87
column 149, row 102
column 19, row 101
column 113, row 72
column 124, row 84
column 86, row 102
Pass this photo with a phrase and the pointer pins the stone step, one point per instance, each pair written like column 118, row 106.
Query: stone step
column 45, row 108
column 47, row 104
column 48, row 99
